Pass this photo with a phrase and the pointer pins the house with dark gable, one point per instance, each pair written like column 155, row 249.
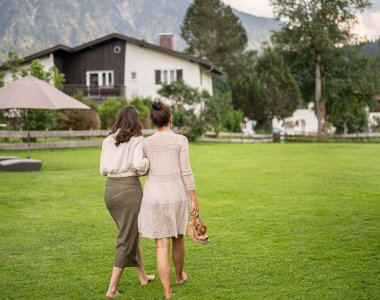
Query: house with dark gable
column 121, row 66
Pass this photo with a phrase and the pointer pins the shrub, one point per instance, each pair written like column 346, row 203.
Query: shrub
column 233, row 120
column 77, row 119
column 179, row 118
column 143, row 107
column 109, row 111
column 195, row 127
column 80, row 97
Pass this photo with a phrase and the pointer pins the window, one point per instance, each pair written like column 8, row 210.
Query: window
column 179, row 74
column 94, row 80
column 168, row 76
column 133, row 75
column 99, row 78
column 158, row 76
column 165, row 80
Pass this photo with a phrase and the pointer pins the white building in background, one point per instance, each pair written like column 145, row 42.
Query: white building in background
column 374, row 115
column 121, row 66
column 303, row 121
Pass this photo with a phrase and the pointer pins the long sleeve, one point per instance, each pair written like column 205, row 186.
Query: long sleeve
column 187, row 173
column 139, row 162
column 102, row 168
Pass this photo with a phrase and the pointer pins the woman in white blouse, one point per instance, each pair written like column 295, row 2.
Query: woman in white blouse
column 122, row 162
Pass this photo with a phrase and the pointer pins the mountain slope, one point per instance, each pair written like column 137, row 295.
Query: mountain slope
column 28, row 26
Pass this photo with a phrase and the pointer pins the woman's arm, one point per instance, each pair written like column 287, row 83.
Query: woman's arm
column 103, row 171
column 188, row 178
column 194, row 203
column 139, row 163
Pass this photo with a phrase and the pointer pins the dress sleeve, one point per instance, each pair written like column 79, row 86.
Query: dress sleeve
column 103, row 171
column 187, row 173
column 139, row 162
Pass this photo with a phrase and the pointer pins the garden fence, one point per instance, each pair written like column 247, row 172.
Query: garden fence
column 49, row 139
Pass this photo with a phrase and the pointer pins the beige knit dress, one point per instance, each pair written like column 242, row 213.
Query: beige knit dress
column 164, row 209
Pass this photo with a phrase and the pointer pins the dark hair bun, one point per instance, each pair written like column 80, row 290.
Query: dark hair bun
column 157, row 105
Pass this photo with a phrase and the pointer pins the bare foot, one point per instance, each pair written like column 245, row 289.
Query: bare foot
column 112, row 294
column 169, row 295
column 147, row 279
column 182, row 279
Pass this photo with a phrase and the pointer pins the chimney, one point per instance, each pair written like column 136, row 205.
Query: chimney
column 167, row 40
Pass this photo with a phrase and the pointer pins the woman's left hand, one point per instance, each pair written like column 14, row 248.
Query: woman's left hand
column 194, row 208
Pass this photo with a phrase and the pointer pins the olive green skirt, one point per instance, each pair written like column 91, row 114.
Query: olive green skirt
column 122, row 197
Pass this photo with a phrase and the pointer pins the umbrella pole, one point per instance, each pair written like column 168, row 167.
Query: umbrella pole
column 27, row 118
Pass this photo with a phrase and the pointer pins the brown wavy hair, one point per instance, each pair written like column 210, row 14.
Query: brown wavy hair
column 129, row 124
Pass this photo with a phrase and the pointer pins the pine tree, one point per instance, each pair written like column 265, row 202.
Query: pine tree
column 212, row 30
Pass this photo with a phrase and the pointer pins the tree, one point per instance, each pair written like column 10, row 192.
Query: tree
column 13, row 64
column 351, row 83
column 40, row 119
column 220, row 115
column 185, row 98
column 35, row 119
column 267, row 90
column 2, row 75
column 211, row 30
column 310, row 29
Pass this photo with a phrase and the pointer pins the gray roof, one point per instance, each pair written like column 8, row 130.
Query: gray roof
column 60, row 47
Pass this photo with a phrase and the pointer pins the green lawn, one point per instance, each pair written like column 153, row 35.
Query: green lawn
column 286, row 221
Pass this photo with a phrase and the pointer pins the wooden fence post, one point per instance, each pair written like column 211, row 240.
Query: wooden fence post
column 46, row 134
column 21, row 135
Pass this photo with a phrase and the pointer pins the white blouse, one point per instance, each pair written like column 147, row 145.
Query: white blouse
column 125, row 160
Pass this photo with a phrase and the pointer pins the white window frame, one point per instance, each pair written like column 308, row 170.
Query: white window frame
column 100, row 77
column 168, row 74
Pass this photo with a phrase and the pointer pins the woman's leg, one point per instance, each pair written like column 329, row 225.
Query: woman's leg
column 144, row 278
column 179, row 259
column 115, row 278
column 163, row 264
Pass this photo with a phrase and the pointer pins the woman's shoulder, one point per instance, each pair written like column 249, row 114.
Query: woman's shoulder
column 137, row 139
column 110, row 139
column 180, row 138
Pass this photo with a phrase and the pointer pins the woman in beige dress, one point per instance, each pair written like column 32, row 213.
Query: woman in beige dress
column 169, row 186
column 122, row 161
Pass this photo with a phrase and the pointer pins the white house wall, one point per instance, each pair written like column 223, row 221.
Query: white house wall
column 145, row 61
column 47, row 62
column 373, row 120
column 304, row 122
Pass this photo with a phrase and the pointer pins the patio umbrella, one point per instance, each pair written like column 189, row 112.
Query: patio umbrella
column 32, row 93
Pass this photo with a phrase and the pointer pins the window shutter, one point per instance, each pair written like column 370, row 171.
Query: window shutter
column 158, row 76
column 179, row 74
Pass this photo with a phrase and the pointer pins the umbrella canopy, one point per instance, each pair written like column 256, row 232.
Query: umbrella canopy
column 30, row 92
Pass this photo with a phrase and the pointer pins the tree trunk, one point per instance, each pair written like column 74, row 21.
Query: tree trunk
column 320, row 103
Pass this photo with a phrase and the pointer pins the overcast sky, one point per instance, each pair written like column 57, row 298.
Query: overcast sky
column 369, row 21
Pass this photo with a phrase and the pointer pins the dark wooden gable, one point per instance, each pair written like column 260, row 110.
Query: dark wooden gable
column 101, row 56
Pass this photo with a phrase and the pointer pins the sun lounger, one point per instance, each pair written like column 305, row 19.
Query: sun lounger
column 20, row 164
column 8, row 157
